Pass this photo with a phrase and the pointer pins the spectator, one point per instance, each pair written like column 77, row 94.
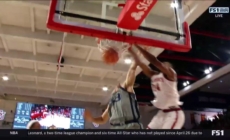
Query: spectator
column 221, row 121
column 52, row 127
column 33, row 125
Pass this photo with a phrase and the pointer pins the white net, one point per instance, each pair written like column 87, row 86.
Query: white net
column 119, row 47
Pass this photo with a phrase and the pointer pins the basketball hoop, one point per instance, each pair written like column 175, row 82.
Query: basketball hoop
column 112, row 50
column 119, row 47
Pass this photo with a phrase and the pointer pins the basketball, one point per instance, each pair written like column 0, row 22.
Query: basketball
column 110, row 56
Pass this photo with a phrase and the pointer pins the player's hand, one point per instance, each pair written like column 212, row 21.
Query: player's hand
column 131, row 50
column 145, row 47
column 136, row 45
column 88, row 116
column 139, row 53
column 142, row 46
column 134, row 64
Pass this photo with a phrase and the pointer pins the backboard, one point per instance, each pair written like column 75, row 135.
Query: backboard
column 152, row 22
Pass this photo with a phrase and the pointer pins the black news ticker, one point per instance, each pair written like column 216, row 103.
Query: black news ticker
column 114, row 133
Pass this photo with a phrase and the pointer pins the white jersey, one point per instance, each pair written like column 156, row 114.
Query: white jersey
column 165, row 91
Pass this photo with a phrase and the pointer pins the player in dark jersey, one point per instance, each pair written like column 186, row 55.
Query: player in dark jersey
column 122, row 111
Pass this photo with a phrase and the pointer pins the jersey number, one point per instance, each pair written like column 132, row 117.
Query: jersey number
column 156, row 87
column 116, row 98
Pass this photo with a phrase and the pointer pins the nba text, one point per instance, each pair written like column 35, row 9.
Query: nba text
column 217, row 132
column 13, row 132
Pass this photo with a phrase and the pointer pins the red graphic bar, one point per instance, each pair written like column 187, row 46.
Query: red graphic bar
column 187, row 78
column 182, row 58
column 210, row 35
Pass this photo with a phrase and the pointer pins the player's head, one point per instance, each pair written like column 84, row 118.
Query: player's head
column 52, row 127
column 167, row 64
column 33, row 125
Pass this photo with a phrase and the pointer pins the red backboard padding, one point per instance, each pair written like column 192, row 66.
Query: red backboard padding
column 134, row 12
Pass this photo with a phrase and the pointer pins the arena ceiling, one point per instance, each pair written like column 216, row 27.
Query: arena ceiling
column 29, row 54
column 210, row 42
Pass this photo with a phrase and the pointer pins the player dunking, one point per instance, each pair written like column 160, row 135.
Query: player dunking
column 122, row 111
column 164, row 87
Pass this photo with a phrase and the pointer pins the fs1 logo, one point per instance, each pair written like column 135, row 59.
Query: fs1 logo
column 218, row 11
column 217, row 132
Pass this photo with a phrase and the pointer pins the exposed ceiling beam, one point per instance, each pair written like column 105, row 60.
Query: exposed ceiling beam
column 42, row 100
column 32, row 19
column 66, row 89
column 40, row 35
column 49, row 75
column 72, row 62
column 49, row 94
column 36, row 4
column 59, row 61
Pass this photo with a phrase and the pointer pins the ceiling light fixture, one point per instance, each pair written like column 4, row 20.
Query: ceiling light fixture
column 185, row 84
column 128, row 61
column 5, row 78
column 174, row 4
column 210, row 69
column 207, row 71
column 105, row 88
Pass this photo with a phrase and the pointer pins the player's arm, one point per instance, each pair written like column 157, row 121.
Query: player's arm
column 169, row 72
column 130, row 78
column 98, row 120
column 145, row 68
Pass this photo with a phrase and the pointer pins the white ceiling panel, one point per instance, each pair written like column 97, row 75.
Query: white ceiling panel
column 47, row 66
column 19, row 44
column 4, row 62
column 40, row 17
column 71, row 70
column 76, row 52
column 48, row 47
column 23, row 64
column 21, row 15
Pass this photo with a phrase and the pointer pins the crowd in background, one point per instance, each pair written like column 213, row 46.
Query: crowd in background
column 39, row 112
column 221, row 121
